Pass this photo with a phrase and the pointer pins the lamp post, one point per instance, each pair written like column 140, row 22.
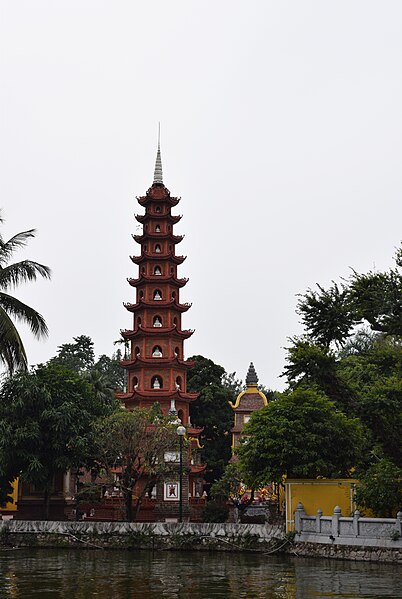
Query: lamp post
column 181, row 431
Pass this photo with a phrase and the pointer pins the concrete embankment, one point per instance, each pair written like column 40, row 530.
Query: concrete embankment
column 133, row 535
column 364, row 553
column 267, row 539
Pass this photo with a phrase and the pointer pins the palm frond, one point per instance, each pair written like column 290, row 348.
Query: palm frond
column 12, row 351
column 14, row 307
column 7, row 248
column 21, row 272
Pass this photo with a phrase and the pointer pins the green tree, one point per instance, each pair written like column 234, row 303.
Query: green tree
column 47, row 426
column 328, row 314
column 78, row 356
column 314, row 366
column 300, row 435
column 134, row 442
column 352, row 352
column 375, row 377
column 212, row 412
column 12, row 351
column 373, row 298
column 110, row 368
column 380, row 489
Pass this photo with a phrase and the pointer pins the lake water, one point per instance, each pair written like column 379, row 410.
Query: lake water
column 83, row 574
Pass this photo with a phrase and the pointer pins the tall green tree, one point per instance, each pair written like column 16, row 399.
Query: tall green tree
column 47, row 426
column 213, row 412
column 12, row 350
column 352, row 352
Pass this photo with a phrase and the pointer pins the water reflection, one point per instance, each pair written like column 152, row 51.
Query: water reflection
column 83, row 574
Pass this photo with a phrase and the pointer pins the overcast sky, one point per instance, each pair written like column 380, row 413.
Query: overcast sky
column 281, row 131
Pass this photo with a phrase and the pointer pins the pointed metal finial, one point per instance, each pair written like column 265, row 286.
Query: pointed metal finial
column 158, row 175
column 251, row 378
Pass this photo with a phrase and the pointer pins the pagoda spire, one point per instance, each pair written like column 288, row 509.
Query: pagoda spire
column 158, row 175
column 251, row 378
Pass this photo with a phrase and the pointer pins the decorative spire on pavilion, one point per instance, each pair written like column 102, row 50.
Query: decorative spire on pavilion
column 158, row 174
column 251, row 378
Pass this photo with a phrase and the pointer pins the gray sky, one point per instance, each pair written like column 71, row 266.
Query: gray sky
column 281, row 130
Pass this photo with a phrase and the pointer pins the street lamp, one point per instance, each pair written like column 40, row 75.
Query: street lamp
column 181, row 431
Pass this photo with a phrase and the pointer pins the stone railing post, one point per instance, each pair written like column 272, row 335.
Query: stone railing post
column 318, row 520
column 356, row 517
column 298, row 517
column 399, row 523
column 335, row 521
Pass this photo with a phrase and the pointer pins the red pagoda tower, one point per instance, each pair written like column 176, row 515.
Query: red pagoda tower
column 156, row 368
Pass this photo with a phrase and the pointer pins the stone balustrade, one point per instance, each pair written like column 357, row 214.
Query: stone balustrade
column 355, row 530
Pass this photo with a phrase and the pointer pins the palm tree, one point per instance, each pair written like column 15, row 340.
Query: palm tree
column 12, row 351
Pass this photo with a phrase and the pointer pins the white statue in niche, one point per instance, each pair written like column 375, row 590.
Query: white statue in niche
column 157, row 270
column 156, row 383
column 157, row 353
column 157, row 295
column 157, row 322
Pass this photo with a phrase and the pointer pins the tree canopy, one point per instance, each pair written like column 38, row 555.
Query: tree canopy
column 380, row 489
column 373, row 298
column 301, row 435
column 79, row 356
column 47, row 419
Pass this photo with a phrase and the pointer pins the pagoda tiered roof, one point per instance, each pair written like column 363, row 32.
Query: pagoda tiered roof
column 143, row 218
column 157, row 192
column 157, row 279
column 160, row 304
column 156, row 332
column 156, row 236
column 157, row 362
column 147, row 256
column 156, row 394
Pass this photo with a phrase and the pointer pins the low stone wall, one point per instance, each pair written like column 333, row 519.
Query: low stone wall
column 367, row 539
column 134, row 535
column 349, row 552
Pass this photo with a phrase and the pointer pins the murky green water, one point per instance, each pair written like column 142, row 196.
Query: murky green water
column 83, row 574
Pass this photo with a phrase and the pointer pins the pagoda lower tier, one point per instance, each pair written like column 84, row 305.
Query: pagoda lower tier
column 151, row 304
column 160, row 332
column 170, row 256
column 157, row 279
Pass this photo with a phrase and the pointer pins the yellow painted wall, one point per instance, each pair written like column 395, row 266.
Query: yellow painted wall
column 322, row 494
column 12, row 507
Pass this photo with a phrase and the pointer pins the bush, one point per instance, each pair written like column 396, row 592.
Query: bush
column 380, row 489
column 215, row 511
